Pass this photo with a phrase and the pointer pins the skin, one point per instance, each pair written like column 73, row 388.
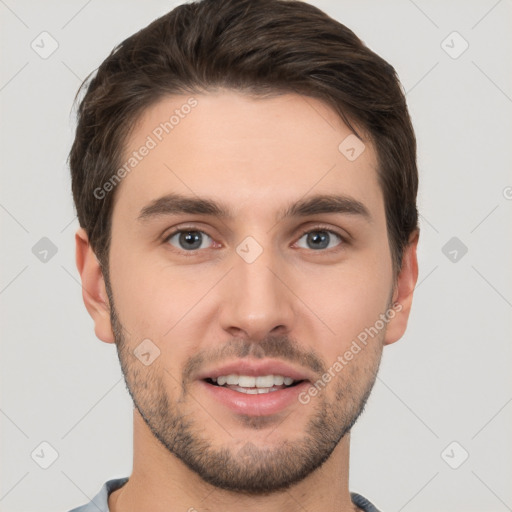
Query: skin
column 294, row 303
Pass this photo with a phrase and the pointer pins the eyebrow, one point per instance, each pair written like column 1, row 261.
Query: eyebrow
column 176, row 204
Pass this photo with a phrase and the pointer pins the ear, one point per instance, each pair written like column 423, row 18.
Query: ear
column 404, row 289
column 94, row 292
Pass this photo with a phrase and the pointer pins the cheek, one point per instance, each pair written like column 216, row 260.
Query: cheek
column 347, row 300
column 154, row 300
column 357, row 291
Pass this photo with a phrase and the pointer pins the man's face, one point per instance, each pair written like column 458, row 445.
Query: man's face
column 254, row 287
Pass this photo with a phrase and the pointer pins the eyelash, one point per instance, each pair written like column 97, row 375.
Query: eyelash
column 184, row 229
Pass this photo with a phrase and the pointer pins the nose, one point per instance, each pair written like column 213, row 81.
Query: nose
column 257, row 298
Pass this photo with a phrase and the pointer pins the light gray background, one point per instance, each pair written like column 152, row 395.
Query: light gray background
column 447, row 380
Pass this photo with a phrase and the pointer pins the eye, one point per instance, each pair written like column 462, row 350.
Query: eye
column 188, row 239
column 320, row 238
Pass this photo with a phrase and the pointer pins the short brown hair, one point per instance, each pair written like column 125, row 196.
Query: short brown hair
column 259, row 47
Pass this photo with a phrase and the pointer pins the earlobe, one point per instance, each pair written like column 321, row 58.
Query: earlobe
column 404, row 290
column 94, row 293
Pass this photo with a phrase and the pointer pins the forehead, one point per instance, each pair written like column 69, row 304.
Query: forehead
column 246, row 152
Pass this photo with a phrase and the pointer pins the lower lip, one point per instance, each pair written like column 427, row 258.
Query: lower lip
column 263, row 404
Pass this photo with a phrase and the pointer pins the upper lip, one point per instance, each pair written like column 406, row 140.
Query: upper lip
column 254, row 369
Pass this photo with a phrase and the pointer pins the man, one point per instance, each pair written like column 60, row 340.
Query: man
column 245, row 178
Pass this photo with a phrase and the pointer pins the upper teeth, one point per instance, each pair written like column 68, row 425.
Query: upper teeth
column 247, row 381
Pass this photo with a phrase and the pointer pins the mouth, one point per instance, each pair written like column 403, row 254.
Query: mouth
column 261, row 387
column 255, row 388
column 254, row 385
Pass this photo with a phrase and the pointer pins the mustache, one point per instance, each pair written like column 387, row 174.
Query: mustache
column 279, row 347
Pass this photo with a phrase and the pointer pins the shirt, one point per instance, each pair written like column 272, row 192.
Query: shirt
column 100, row 502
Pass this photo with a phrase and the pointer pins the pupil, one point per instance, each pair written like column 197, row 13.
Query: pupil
column 315, row 237
column 190, row 238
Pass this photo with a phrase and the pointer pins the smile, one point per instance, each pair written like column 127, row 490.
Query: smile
column 253, row 385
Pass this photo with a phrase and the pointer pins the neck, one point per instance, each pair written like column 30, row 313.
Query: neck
column 161, row 482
